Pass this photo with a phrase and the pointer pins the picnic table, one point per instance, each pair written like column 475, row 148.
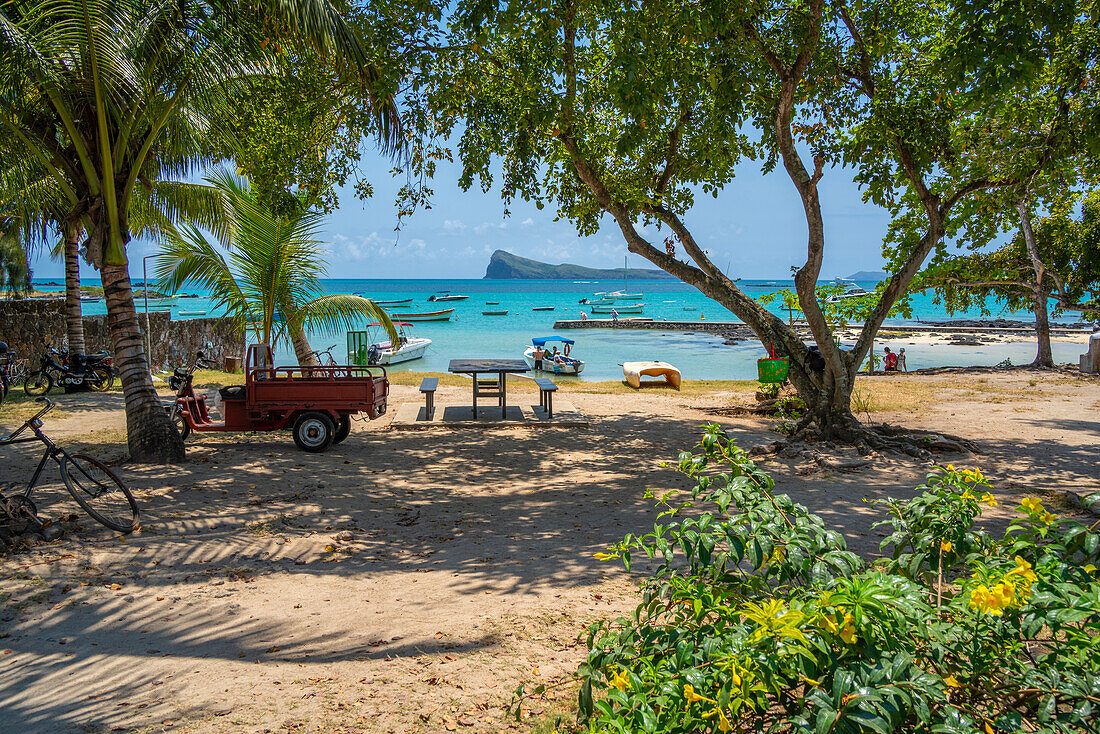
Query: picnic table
column 495, row 387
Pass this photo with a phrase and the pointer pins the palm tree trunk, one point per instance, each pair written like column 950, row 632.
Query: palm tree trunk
column 149, row 432
column 1044, row 356
column 302, row 348
column 74, row 318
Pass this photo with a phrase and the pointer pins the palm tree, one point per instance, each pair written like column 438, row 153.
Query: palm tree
column 265, row 272
column 107, row 94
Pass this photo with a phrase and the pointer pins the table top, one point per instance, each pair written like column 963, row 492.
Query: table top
column 468, row 366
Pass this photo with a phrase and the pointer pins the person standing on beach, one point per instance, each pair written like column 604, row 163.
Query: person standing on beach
column 538, row 358
column 901, row 361
column 614, row 317
column 889, row 360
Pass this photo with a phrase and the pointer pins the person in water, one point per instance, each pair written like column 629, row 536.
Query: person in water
column 538, row 357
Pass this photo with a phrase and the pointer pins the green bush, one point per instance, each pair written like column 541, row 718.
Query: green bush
column 759, row 619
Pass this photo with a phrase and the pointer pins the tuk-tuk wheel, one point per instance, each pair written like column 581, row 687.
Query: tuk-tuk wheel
column 343, row 428
column 314, row 431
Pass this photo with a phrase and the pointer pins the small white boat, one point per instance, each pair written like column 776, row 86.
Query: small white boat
column 851, row 290
column 363, row 350
column 192, row 313
column 447, row 297
column 633, row 372
column 444, row 315
column 559, row 364
column 608, row 308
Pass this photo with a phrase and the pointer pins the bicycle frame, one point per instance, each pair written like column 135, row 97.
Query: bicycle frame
column 52, row 450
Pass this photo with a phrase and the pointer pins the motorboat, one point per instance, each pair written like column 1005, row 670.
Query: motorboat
column 494, row 313
column 633, row 372
column 851, row 290
column 559, row 364
column 192, row 313
column 609, row 307
column 542, row 308
column 400, row 302
column 596, row 301
column 446, row 296
column 444, row 315
column 364, row 350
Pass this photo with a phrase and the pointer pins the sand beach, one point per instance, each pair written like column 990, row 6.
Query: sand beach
column 411, row 580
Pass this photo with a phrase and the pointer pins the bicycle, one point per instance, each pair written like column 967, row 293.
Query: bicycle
column 94, row 486
column 324, row 357
column 12, row 370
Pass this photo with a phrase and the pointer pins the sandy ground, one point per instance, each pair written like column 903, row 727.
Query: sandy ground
column 410, row 581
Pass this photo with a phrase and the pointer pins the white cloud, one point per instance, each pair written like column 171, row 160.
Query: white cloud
column 454, row 226
column 527, row 222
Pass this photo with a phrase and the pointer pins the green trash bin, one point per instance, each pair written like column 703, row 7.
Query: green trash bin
column 773, row 369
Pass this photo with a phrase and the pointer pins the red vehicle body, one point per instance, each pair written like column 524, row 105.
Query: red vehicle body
column 315, row 402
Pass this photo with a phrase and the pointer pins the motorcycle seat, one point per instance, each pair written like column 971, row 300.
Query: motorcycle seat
column 233, row 392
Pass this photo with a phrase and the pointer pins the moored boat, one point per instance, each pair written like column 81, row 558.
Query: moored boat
column 633, row 372
column 364, row 350
column 619, row 296
column 560, row 363
column 542, row 308
column 851, row 290
column 447, row 297
column 444, row 315
column 494, row 313
column 400, row 302
column 608, row 308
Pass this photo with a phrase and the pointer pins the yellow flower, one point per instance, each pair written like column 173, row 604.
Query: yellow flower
column 1032, row 505
column 604, row 556
column 968, row 495
column 989, row 729
column 1090, row 568
column 989, row 499
column 951, row 681
column 945, row 546
column 982, row 599
column 848, row 634
column 829, row 625
column 723, row 722
column 1023, row 568
column 620, row 680
column 1005, row 593
column 950, row 467
column 692, row 696
column 1046, row 517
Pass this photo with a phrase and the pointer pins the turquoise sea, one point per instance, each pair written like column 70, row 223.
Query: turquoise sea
column 698, row 355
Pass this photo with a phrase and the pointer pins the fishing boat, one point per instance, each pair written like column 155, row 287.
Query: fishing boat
column 542, row 308
column 851, row 290
column 400, row 302
column 608, row 308
column 363, row 349
column 691, row 308
column 492, row 303
column 559, row 364
column 444, row 315
column 447, row 296
column 633, row 372
column 494, row 313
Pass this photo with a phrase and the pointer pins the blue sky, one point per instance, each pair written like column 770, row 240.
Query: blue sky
column 755, row 227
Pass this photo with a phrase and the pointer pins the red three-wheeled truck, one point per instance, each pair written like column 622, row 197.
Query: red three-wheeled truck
column 316, row 403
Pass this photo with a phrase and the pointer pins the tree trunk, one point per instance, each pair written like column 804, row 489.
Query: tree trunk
column 149, row 432
column 302, row 348
column 74, row 318
column 1040, row 293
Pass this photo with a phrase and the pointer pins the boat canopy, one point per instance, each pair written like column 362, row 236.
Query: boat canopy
column 540, row 341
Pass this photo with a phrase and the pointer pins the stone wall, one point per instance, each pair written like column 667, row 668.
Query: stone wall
column 27, row 324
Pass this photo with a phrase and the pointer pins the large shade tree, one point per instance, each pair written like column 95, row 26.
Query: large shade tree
column 633, row 109
column 107, row 95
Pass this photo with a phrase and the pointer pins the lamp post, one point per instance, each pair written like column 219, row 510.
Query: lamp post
column 145, row 292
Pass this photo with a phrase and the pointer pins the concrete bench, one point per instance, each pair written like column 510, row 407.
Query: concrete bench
column 547, row 388
column 428, row 386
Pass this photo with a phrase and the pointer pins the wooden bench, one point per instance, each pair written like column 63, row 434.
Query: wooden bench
column 547, row 388
column 428, row 387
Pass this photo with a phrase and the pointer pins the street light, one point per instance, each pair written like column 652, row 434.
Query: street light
column 145, row 291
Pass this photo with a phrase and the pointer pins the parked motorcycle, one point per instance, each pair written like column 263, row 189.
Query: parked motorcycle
column 96, row 372
column 180, row 381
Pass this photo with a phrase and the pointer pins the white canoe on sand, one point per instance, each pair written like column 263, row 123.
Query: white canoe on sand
column 634, row 371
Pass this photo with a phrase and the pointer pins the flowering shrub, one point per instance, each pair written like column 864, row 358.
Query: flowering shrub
column 759, row 619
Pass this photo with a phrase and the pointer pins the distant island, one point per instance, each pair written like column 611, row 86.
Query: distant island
column 868, row 276
column 506, row 266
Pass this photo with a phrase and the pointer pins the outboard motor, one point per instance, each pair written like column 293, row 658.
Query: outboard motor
column 373, row 354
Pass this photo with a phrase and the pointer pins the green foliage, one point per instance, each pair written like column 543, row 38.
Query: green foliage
column 15, row 272
column 757, row 617
column 265, row 265
column 1068, row 246
column 840, row 312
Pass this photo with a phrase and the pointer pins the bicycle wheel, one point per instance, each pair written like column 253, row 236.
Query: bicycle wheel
column 17, row 371
column 38, row 383
column 100, row 492
column 98, row 380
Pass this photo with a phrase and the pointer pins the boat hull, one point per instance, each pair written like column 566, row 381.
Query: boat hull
column 635, row 308
column 388, row 304
column 433, row 316
column 438, row 299
column 633, row 372
column 414, row 348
